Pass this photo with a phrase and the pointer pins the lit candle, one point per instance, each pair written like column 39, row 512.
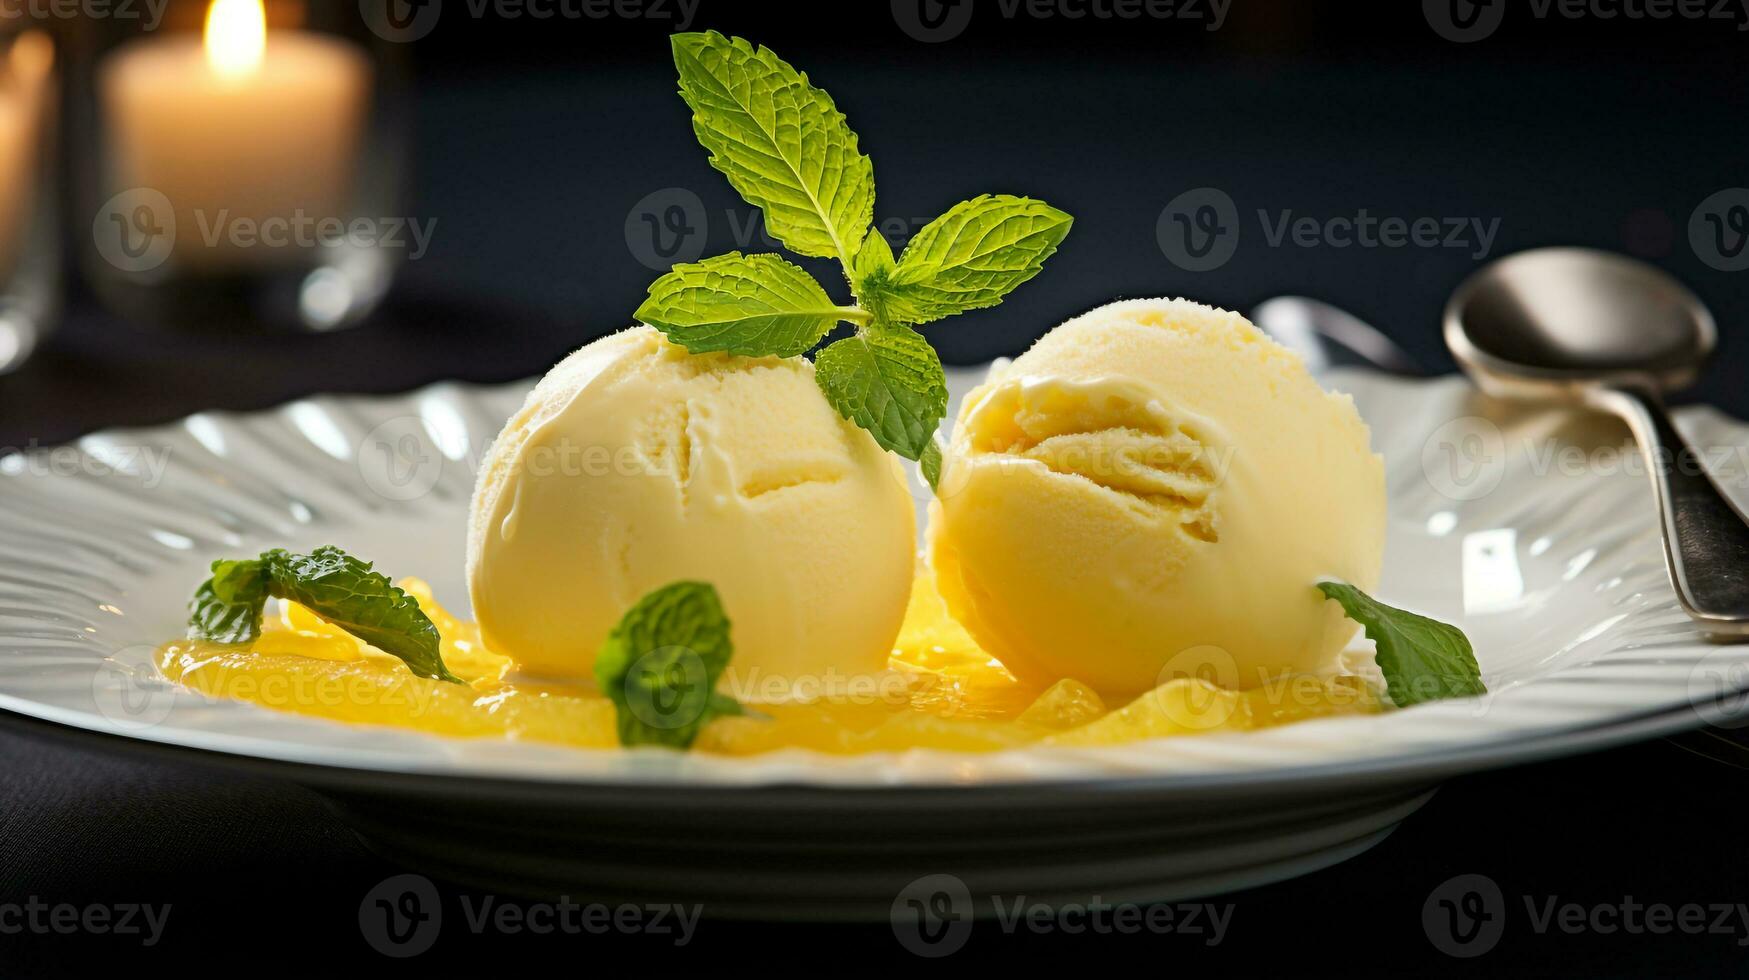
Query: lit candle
column 15, row 180
column 23, row 76
column 236, row 129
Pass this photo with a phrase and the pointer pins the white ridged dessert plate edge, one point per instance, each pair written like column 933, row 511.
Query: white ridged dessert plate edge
column 1529, row 528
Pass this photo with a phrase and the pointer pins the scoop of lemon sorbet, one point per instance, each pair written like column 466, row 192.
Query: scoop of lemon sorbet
column 1152, row 491
column 635, row 464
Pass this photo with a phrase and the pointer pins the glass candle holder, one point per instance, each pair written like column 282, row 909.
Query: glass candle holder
column 29, row 246
column 244, row 163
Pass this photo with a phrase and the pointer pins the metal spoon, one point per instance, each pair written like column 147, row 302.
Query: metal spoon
column 1326, row 336
column 1608, row 332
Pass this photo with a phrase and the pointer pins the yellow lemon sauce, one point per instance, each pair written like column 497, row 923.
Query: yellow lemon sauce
column 941, row 692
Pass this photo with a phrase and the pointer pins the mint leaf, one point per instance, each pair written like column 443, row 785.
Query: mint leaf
column 888, row 380
column 869, row 273
column 661, row 664
column 233, row 618
column 242, row 581
column 756, row 305
column 1422, row 659
column 782, row 143
column 875, row 256
column 969, row 258
column 227, row 608
column 345, row 592
column 930, row 463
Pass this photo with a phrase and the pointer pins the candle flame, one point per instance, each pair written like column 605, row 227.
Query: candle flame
column 236, row 35
column 32, row 57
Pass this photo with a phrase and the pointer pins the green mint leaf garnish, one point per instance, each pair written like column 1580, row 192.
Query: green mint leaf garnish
column 661, row 664
column 782, row 143
column 888, row 380
column 787, row 149
column 240, row 582
column 969, row 258
column 872, row 259
column 235, row 618
column 931, row 464
column 756, row 305
column 343, row 591
column 1422, row 659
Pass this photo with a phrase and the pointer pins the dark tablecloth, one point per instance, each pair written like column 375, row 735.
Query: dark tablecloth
column 533, row 173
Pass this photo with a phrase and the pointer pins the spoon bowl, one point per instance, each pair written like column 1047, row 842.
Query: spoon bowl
column 1613, row 334
column 1563, row 322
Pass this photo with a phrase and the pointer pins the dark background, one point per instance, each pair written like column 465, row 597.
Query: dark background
column 534, row 143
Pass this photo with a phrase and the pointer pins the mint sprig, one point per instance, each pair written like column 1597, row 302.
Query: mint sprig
column 787, row 150
column 967, row 259
column 661, row 664
column 1422, row 659
column 756, row 305
column 782, row 143
column 338, row 588
column 889, row 381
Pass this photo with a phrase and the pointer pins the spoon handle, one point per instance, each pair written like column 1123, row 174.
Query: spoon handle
column 1706, row 538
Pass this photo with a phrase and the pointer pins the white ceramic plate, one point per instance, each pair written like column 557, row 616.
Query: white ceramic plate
column 1532, row 530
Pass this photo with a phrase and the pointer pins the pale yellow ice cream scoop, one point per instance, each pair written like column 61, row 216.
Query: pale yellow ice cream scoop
column 634, row 464
column 1152, row 491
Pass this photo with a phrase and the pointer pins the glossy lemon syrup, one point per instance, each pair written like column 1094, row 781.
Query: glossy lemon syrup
column 942, row 692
